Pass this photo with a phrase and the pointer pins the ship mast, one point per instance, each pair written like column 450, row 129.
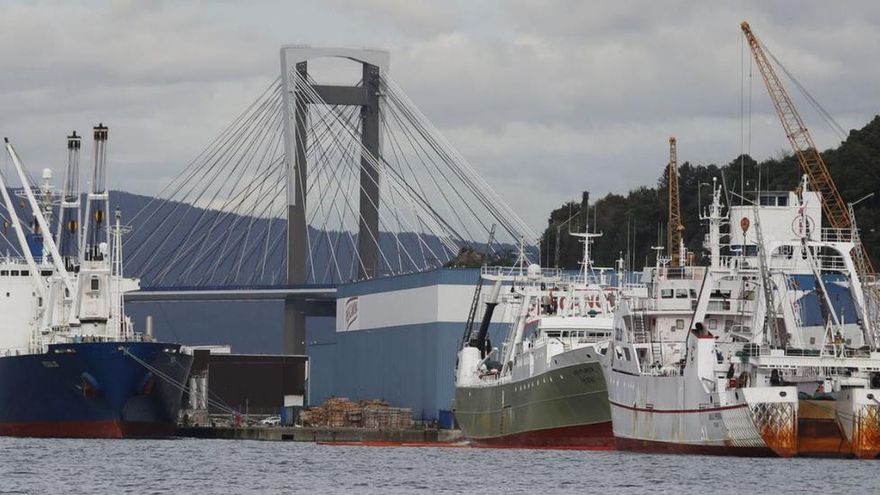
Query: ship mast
column 586, row 261
column 715, row 217
column 95, row 303
column 69, row 210
column 118, row 303
column 98, row 199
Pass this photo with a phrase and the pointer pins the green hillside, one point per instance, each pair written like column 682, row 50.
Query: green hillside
column 854, row 165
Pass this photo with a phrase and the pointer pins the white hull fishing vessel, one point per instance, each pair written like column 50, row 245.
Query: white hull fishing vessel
column 722, row 360
column 545, row 387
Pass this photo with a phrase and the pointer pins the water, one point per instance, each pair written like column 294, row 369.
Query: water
column 226, row 467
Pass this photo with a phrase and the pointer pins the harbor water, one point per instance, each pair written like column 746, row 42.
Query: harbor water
column 225, row 467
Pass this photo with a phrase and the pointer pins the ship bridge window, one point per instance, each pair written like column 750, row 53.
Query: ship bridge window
column 720, row 294
column 4, row 273
column 774, row 200
column 552, row 334
column 681, row 293
column 14, row 273
column 46, row 273
column 95, row 284
column 666, row 293
column 25, row 273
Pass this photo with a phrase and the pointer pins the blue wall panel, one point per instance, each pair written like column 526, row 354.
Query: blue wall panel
column 408, row 366
column 250, row 327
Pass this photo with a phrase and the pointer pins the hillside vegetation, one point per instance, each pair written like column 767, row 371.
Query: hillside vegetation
column 854, row 165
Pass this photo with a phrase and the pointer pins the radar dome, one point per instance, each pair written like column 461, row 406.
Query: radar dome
column 534, row 270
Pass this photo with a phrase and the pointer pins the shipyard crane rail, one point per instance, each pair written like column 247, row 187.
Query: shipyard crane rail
column 805, row 150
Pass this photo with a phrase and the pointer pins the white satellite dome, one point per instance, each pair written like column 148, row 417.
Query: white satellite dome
column 534, row 270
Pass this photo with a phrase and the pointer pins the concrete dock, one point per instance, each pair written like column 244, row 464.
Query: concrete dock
column 326, row 435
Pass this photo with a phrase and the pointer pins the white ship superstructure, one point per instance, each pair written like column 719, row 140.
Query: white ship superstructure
column 65, row 287
column 719, row 359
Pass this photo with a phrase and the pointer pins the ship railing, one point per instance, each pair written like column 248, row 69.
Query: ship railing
column 832, row 262
column 13, row 351
column 517, row 272
column 739, row 262
column 836, row 235
column 662, row 370
column 579, row 279
column 679, row 272
column 752, row 349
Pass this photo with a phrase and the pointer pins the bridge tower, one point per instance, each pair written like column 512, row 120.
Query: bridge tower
column 294, row 74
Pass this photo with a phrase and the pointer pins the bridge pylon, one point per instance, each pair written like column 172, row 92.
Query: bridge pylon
column 296, row 102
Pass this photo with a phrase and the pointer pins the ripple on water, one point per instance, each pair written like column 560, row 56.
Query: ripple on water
column 224, row 467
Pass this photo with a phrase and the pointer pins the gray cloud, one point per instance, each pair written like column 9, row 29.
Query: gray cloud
column 544, row 98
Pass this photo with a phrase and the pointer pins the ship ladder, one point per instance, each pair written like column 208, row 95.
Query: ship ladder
column 640, row 336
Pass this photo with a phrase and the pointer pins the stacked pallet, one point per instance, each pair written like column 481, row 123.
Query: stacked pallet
column 340, row 412
column 400, row 418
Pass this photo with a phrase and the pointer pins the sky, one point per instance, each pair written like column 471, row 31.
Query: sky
column 545, row 99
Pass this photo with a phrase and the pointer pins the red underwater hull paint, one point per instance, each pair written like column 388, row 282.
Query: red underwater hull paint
column 648, row 446
column 89, row 429
column 599, row 436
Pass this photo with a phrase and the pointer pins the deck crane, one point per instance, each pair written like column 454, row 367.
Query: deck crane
column 674, row 227
column 810, row 160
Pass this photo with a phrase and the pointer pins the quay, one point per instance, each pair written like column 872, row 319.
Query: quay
column 326, row 435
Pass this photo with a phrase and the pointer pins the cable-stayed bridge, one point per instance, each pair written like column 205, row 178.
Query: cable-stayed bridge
column 319, row 184
column 314, row 185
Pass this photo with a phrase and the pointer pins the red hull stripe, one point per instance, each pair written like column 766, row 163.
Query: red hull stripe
column 599, row 436
column 379, row 443
column 652, row 447
column 676, row 411
column 88, row 429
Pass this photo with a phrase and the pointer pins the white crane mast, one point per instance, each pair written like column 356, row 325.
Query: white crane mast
column 41, row 220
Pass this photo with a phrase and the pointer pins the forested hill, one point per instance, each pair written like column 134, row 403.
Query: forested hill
column 854, row 165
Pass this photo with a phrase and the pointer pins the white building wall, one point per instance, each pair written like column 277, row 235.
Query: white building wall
column 420, row 305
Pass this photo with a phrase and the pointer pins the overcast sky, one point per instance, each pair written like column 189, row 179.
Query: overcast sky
column 545, row 99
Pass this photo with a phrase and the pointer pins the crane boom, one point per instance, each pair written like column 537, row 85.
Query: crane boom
column 674, row 227
column 799, row 137
column 808, row 156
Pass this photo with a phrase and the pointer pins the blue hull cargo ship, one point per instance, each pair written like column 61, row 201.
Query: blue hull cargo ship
column 93, row 390
column 71, row 364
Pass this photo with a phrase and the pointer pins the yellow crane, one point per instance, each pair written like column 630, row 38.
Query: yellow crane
column 674, row 227
column 808, row 156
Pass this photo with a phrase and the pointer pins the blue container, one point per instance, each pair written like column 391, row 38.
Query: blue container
column 289, row 415
column 446, row 421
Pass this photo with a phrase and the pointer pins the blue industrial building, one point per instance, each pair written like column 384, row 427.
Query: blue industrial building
column 394, row 338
